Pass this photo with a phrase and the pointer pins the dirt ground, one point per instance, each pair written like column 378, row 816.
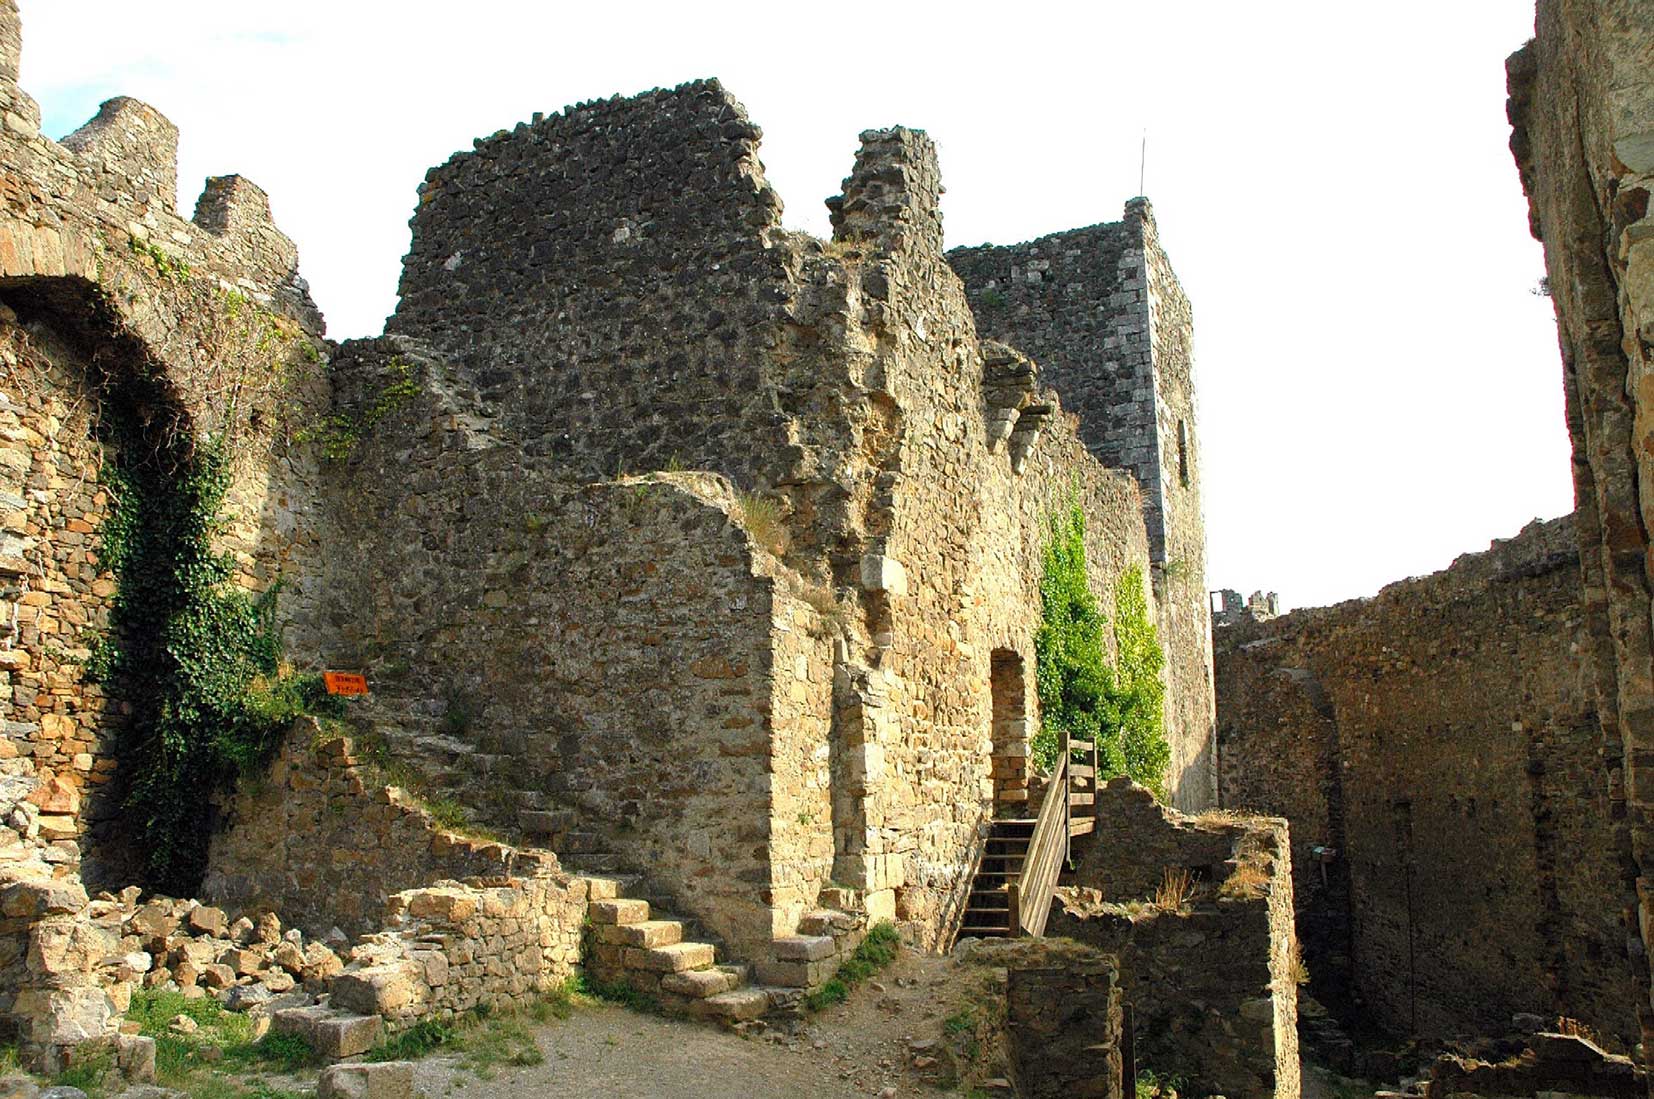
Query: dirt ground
column 864, row 1047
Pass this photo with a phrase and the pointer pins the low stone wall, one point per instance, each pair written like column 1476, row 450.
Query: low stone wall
column 1064, row 1019
column 495, row 943
column 1209, row 969
column 1549, row 1065
column 327, row 844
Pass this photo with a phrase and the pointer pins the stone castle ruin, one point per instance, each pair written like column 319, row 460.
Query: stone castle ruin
column 694, row 567
column 693, row 564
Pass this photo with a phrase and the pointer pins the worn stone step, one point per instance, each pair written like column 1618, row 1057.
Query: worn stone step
column 734, row 1007
column 333, row 1034
column 645, row 933
column 804, row 948
column 698, row 984
column 671, row 959
column 619, row 910
column 828, row 921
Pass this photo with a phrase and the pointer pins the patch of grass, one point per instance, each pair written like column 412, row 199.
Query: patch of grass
column 423, row 1038
column 197, row 1063
column 87, row 1072
column 1177, row 889
column 761, row 515
column 1247, row 882
column 483, row 1040
column 446, row 812
column 876, row 951
column 617, row 992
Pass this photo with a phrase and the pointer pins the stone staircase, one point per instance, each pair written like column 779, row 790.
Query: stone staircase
column 988, row 911
column 649, row 954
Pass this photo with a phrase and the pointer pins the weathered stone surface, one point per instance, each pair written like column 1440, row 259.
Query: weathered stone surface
column 1407, row 847
column 384, row 1080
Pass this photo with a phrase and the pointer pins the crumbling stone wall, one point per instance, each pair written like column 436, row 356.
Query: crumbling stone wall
column 1436, row 753
column 1063, row 1016
column 102, row 281
column 1211, row 974
column 1103, row 313
column 452, row 947
column 1582, row 119
column 879, row 540
column 326, row 842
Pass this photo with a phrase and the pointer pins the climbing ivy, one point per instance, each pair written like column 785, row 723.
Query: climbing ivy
column 194, row 657
column 1120, row 707
column 338, row 433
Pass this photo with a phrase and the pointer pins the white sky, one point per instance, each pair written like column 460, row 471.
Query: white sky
column 1379, row 390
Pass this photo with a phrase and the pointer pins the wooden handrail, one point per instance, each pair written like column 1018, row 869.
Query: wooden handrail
column 1029, row 895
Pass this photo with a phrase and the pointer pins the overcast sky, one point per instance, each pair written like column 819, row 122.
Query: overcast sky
column 1379, row 388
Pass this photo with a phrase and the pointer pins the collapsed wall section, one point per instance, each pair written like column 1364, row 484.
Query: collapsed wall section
column 1582, row 118
column 1199, row 913
column 1102, row 312
column 603, row 277
column 1435, row 750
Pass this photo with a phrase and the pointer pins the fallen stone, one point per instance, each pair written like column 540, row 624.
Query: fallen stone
column 206, row 920
column 385, row 1080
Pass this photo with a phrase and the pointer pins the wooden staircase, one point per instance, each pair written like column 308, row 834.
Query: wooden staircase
column 1011, row 892
column 988, row 912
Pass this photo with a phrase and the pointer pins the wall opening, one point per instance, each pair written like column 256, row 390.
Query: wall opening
column 1009, row 686
column 1183, row 453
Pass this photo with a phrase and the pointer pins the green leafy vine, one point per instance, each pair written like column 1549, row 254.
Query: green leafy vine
column 195, row 658
column 1121, row 707
column 338, row 433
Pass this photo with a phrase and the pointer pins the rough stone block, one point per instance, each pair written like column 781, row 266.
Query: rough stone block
column 619, row 910
column 698, row 984
column 671, row 959
column 886, row 574
column 736, row 1006
column 385, row 1080
column 805, row 948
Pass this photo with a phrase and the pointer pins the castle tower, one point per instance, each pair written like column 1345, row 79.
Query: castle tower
column 1102, row 313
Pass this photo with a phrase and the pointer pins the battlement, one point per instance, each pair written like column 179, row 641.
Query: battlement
column 893, row 193
column 132, row 139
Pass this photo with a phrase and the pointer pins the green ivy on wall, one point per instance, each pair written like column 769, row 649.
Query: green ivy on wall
column 1120, row 707
column 194, row 658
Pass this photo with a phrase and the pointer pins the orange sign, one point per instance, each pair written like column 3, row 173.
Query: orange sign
column 345, row 683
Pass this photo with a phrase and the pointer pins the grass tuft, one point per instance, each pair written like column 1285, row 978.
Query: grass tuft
column 876, row 951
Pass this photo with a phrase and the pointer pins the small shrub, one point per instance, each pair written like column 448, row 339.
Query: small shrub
column 87, row 1072
column 1298, row 969
column 1248, row 882
column 1152, row 1085
column 459, row 713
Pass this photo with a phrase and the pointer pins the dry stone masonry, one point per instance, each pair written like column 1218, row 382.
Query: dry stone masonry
column 1435, row 749
column 693, row 564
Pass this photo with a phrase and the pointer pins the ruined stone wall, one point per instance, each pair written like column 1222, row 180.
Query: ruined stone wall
column 597, row 665
column 326, row 842
column 452, row 947
column 981, row 457
column 1199, row 913
column 898, row 477
column 1582, row 117
column 1439, row 741
column 1102, row 313
column 102, row 283
column 603, row 277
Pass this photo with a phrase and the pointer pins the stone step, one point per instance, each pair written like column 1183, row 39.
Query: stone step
column 618, row 911
column 333, row 1034
column 698, row 984
column 828, row 921
column 733, row 1007
column 671, row 959
column 644, row 933
column 805, row 948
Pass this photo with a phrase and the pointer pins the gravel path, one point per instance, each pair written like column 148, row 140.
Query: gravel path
column 857, row 1049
